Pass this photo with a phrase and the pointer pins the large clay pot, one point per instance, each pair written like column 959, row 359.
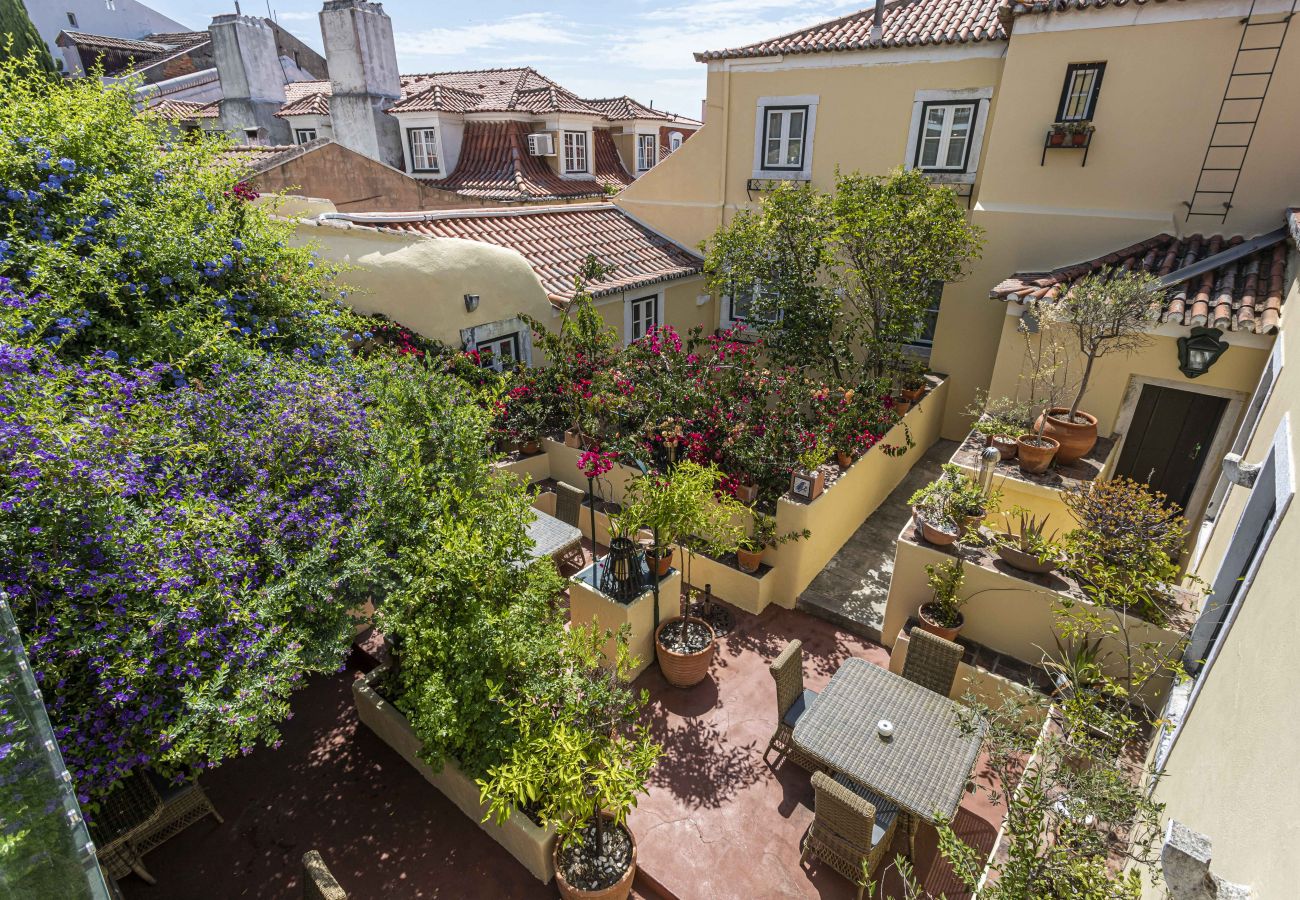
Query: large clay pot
column 530, row 447
column 912, row 395
column 844, row 460
column 933, row 535
column 901, row 406
column 1075, row 438
column 684, row 670
column 1035, row 457
column 619, row 890
column 1025, row 562
column 943, row 631
column 749, row 560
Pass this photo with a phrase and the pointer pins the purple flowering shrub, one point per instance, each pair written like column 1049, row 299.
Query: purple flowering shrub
column 178, row 559
column 144, row 246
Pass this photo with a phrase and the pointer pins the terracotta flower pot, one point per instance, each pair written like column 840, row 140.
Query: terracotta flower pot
column 1005, row 445
column 911, row 395
column 807, row 486
column 1079, row 138
column 902, row 405
column 530, row 448
column 684, row 670
column 662, row 563
column 1057, row 138
column 616, row 891
column 746, row 493
column 1025, row 562
column 933, row 535
column 968, row 524
column 1035, row 457
column 943, row 631
column 749, row 560
column 573, row 438
column 844, row 459
column 1075, row 438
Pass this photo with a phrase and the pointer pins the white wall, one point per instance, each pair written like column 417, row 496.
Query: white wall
column 128, row 19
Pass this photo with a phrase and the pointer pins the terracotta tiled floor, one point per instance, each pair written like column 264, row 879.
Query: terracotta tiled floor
column 722, row 823
column 718, row 823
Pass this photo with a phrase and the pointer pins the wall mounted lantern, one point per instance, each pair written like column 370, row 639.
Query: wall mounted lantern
column 1200, row 350
column 471, row 302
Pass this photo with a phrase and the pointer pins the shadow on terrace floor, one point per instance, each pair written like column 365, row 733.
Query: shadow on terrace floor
column 720, row 822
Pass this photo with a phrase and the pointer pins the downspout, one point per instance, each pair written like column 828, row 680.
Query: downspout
column 726, row 140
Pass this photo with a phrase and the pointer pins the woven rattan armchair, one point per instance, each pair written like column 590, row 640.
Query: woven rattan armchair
column 568, row 509
column 792, row 698
column 931, row 661
column 145, row 811
column 850, row 833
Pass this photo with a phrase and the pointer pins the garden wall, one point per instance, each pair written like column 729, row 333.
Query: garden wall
column 832, row 518
column 844, row 506
column 1008, row 612
column 527, row 842
column 587, row 603
column 991, row 689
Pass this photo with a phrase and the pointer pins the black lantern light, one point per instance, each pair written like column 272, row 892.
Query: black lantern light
column 1200, row 350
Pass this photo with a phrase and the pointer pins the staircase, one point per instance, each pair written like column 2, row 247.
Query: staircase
column 1262, row 36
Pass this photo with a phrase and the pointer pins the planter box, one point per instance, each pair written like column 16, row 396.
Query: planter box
column 587, row 603
column 526, row 842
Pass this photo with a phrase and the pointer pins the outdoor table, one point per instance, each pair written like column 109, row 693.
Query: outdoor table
column 550, row 536
column 924, row 767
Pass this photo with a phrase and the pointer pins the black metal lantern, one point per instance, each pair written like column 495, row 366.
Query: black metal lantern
column 621, row 574
column 1200, row 350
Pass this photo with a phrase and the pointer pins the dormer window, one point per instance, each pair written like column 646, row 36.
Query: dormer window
column 1080, row 91
column 647, row 147
column 424, row 149
column 575, row 153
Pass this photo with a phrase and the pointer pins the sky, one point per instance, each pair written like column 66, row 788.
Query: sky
column 641, row 48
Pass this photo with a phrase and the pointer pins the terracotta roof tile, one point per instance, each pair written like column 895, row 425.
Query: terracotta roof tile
column 1021, row 7
column 186, row 109
column 316, row 104
column 495, row 164
column 438, row 98
column 1243, row 294
column 609, row 166
column 108, row 42
column 907, row 23
column 261, row 157
column 557, row 240
column 619, row 109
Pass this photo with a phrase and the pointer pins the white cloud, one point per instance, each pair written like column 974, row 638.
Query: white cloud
column 296, row 16
column 514, row 34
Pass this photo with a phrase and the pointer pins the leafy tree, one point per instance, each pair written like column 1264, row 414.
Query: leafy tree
column 841, row 282
column 142, row 246
column 19, row 37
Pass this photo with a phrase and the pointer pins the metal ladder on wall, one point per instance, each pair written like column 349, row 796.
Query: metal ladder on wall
column 1258, row 51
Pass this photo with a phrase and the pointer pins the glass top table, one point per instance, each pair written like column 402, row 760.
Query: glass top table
column 924, row 767
column 550, row 536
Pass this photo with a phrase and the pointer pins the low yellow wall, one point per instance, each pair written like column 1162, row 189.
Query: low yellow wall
column 1007, row 613
column 586, row 603
column 528, row 468
column 987, row 687
column 844, row 506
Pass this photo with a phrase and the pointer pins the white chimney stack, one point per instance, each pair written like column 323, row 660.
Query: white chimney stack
column 362, row 61
column 252, row 82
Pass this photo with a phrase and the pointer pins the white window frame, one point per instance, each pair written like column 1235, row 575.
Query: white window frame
column 487, row 334
column 634, row 325
column 571, row 168
column 1273, row 491
column 430, row 144
column 299, row 132
column 645, row 161
column 922, row 100
column 675, row 141
column 802, row 172
column 945, row 115
column 729, row 318
column 922, row 344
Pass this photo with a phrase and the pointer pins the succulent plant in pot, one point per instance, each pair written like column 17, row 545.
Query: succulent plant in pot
column 942, row 615
column 968, row 503
column 1023, row 546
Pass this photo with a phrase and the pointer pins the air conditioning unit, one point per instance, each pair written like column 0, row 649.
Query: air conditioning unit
column 541, row 143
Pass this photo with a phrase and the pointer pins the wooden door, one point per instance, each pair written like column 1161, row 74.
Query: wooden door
column 1169, row 439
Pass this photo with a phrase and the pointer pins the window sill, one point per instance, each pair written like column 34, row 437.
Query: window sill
column 942, row 177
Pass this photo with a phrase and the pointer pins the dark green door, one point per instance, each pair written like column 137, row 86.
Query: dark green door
column 1169, row 439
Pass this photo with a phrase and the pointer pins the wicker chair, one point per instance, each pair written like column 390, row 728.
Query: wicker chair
column 792, row 698
column 146, row 811
column 931, row 661
column 851, row 830
column 318, row 883
column 568, row 509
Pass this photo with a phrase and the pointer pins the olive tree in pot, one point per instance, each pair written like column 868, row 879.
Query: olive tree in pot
column 582, row 757
column 999, row 421
column 1105, row 312
column 942, row 615
column 697, row 517
column 1050, row 379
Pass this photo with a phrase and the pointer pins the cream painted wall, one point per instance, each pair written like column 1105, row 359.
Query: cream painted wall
column 421, row 281
column 678, row 306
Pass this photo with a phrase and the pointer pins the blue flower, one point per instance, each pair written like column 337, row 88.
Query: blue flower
column 237, row 244
column 111, row 354
column 15, row 195
column 67, row 165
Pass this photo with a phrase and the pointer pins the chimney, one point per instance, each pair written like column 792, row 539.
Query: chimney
column 252, row 82
column 878, row 20
column 362, row 61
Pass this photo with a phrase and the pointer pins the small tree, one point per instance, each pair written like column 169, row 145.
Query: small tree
column 1105, row 312
column 1047, row 364
column 582, row 753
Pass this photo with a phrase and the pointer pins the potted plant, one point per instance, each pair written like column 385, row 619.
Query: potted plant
column 942, row 615
column 688, row 510
column 580, row 762
column 968, row 503
column 1078, row 132
column 808, row 480
column 1023, row 546
column 931, row 512
column 1049, row 376
column 1104, row 312
column 999, row 421
column 749, row 553
column 1056, row 137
